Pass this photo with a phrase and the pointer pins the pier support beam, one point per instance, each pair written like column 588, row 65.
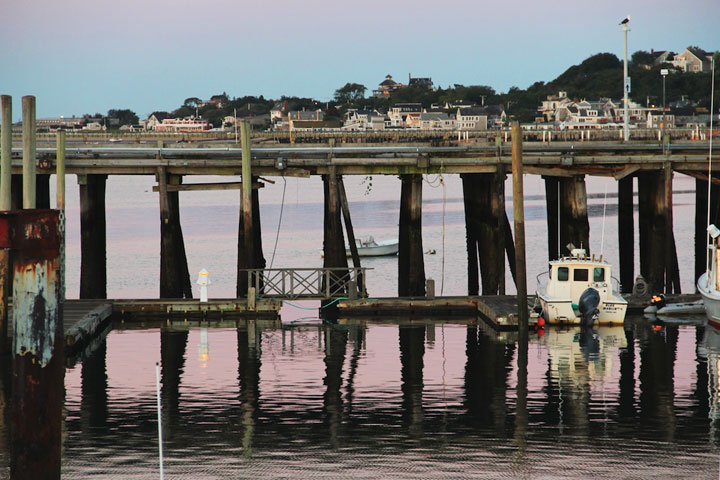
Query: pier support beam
column 38, row 362
column 484, row 195
column 93, row 259
column 626, row 234
column 570, row 197
column 333, row 240
column 701, row 220
column 411, row 263
column 655, row 259
column 250, row 252
column 174, row 274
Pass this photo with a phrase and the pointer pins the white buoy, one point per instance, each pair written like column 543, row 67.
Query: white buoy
column 203, row 280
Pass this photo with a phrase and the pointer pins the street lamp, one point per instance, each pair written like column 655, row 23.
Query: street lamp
column 626, row 81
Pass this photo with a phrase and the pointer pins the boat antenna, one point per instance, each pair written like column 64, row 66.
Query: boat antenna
column 602, row 236
column 709, row 183
column 558, row 222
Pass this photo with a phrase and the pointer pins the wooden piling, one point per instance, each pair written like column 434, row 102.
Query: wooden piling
column 60, row 169
column 38, row 347
column 412, row 351
column 411, row 263
column 574, row 228
column 333, row 239
column 246, row 250
column 626, row 233
column 672, row 271
column 6, row 152
column 350, row 232
column 653, row 215
column 5, row 204
column 519, row 214
column 29, row 156
column 174, row 274
column 483, row 195
column 93, row 257
column 255, row 258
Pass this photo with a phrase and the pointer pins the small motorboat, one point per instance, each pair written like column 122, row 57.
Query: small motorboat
column 368, row 247
column 659, row 306
column 579, row 291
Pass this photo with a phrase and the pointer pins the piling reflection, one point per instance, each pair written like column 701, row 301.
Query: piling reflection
column 412, row 349
column 173, row 346
column 614, row 388
column 657, row 365
column 94, row 402
column 336, row 338
column 248, row 357
column 486, row 380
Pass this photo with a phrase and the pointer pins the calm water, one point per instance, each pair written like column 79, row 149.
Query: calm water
column 401, row 399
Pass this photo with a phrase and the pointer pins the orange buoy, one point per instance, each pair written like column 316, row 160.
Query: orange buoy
column 540, row 322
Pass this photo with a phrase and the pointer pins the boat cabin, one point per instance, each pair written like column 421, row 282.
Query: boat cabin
column 570, row 276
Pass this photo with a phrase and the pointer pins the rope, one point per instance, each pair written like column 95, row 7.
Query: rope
column 277, row 235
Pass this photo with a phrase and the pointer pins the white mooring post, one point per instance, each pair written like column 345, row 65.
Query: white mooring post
column 203, row 280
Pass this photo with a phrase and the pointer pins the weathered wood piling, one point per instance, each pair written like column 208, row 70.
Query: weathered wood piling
column 93, row 259
column 5, row 204
column 626, row 234
column 411, row 263
column 333, row 239
column 566, row 214
column 174, row 274
column 484, row 199
column 519, row 215
column 657, row 253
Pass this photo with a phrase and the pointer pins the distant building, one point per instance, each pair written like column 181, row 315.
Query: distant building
column 473, row 118
column 177, row 125
column 693, row 60
column 363, row 120
column 398, row 113
column 658, row 119
column 549, row 107
column 387, row 86
column 420, row 81
column 437, row 121
column 54, row 124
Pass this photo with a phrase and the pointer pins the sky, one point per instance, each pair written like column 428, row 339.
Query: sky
column 80, row 56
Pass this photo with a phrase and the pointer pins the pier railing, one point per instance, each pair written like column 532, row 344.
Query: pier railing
column 306, row 283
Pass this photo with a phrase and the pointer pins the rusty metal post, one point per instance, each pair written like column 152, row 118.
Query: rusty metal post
column 38, row 356
column 29, row 145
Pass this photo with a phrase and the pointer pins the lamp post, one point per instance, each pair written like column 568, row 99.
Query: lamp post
column 626, row 82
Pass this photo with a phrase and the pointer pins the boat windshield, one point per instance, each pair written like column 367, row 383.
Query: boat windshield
column 580, row 274
column 598, row 274
column 563, row 274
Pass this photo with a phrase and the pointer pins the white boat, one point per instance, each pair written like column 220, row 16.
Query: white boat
column 709, row 282
column 579, row 291
column 368, row 247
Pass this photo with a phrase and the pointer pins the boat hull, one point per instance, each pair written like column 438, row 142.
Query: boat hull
column 378, row 250
column 557, row 311
column 711, row 299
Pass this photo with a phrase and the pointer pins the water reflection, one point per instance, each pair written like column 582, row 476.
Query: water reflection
column 362, row 398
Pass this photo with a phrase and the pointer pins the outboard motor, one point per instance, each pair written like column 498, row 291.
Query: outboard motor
column 588, row 306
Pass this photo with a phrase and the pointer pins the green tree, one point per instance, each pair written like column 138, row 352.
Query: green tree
column 351, row 92
column 192, row 102
column 125, row 116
